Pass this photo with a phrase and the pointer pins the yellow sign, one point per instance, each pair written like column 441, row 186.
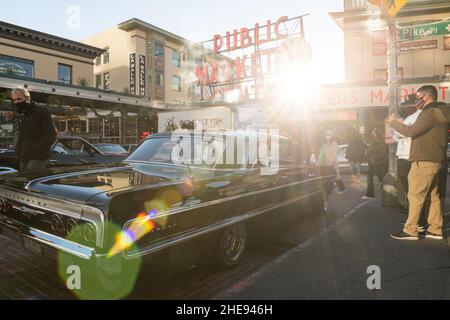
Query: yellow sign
column 392, row 7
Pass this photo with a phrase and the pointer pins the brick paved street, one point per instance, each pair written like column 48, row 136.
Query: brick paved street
column 24, row 275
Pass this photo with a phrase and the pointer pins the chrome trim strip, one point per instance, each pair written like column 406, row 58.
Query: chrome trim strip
column 49, row 240
column 219, row 201
column 163, row 244
column 67, row 175
column 97, row 217
column 61, row 244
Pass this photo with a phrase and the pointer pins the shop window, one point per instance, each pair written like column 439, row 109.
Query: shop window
column 64, row 73
column 60, row 124
column 16, row 66
column 112, row 128
column 76, row 126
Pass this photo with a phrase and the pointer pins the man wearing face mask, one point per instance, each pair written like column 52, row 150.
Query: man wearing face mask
column 36, row 131
column 410, row 113
column 428, row 148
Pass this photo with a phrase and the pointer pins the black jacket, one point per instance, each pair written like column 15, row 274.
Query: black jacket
column 356, row 150
column 377, row 153
column 429, row 134
column 37, row 133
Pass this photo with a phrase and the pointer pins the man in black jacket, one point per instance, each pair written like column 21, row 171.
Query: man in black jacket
column 428, row 148
column 36, row 131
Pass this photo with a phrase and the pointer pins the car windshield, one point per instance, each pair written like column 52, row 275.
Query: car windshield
column 111, row 148
column 155, row 150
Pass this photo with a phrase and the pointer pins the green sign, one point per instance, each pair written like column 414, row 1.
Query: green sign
column 425, row 30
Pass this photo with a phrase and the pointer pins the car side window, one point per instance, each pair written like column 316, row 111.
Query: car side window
column 61, row 149
column 73, row 147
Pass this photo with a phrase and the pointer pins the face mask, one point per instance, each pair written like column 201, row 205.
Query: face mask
column 21, row 106
column 420, row 103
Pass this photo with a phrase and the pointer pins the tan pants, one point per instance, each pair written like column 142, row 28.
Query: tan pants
column 423, row 180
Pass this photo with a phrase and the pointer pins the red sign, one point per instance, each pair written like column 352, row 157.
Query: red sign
column 254, row 63
column 244, row 38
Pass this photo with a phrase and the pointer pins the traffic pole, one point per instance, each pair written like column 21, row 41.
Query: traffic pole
column 389, row 193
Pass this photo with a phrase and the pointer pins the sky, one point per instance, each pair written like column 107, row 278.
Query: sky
column 197, row 21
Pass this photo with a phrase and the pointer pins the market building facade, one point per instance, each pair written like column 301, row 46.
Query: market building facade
column 147, row 61
column 59, row 73
column 424, row 59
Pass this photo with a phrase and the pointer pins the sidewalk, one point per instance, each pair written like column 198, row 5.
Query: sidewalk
column 333, row 262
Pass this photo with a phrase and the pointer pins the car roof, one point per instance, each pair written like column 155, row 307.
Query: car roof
column 232, row 133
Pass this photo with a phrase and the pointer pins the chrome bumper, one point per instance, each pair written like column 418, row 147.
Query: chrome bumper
column 16, row 231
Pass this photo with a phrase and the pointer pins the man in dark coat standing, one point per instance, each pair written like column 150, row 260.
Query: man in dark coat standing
column 429, row 145
column 37, row 132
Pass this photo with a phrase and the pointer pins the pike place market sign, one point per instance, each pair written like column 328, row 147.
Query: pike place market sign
column 425, row 30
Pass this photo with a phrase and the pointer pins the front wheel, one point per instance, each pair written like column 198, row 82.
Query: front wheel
column 231, row 246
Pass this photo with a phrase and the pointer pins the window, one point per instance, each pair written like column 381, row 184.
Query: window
column 16, row 66
column 98, row 61
column 176, row 83
column 176, row 60
column 106, row 55
column 382, row 74
column 447, row 42
column 159, row 51
column 447, row 70
column 380, row 43
column 64, row 73
column 73, row 147
column 98, row 81
column 159, row 78
column 106, row 81
column 159, row 57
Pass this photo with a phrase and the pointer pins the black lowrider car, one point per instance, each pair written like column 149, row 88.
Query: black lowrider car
column 151, row 208
column 66, row 151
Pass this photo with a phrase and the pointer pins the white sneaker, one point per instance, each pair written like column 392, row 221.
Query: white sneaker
column 366, row 198
column 325, row 205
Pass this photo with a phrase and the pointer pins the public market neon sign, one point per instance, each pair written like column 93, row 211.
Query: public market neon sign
column 235, row 70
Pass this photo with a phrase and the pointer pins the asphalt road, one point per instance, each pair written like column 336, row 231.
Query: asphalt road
column 323, row 258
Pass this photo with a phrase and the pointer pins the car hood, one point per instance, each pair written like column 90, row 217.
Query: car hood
column 81, row 184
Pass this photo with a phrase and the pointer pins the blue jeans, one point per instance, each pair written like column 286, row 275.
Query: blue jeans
column 356, row 168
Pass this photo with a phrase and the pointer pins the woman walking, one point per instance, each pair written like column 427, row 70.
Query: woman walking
column 327, row 167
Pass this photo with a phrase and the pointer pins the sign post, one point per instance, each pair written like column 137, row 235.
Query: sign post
column 389, row 10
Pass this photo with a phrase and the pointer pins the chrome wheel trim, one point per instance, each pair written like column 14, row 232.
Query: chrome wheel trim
column 233, row 243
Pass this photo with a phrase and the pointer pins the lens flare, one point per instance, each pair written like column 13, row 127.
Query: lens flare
column 140, row 227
